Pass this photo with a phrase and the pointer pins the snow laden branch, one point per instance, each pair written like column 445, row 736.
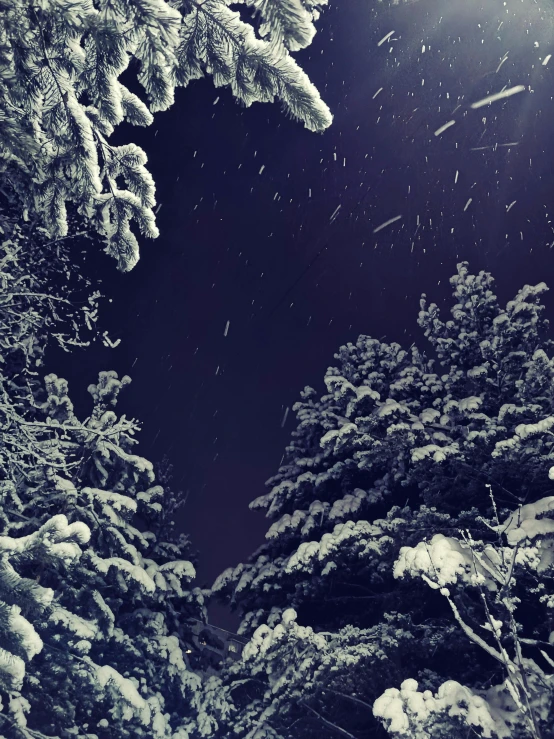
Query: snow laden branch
column 513, row 573
column 42, row 292
column 61, row 96
column 23, row 599
column 287, row 23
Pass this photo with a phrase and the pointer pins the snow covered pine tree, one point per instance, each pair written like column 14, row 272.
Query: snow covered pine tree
column 94, row 596
column 112, row 664
column 401, row 448
column 61, row 95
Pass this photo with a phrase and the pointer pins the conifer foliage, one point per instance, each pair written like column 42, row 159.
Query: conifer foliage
column 61, row 96
column 387, row 470
column 94, row 588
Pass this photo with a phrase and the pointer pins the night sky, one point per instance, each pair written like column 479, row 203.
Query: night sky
column 257, row 278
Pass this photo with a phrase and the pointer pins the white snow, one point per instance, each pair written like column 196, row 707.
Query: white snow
column 389, row 406
column 338, row 436
column 524, row 524
column 444, row 127
column 440, row 562
column 76, row 624
column 504, row 58
column 524, row 430
column 471, row 403
column 106, row 675
column 136, row 572
column 335, row 213
column 286, row 522
column 341, row 536
column 438, row 453
column 498, row 96
column 403, row 708
column 477, row 371
column 429, row 415
column 348, row 504
column 387, row 223
column 23, row 632
column 288, row 616
column 385, row 38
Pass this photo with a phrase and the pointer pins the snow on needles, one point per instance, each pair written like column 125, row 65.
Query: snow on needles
column 440, row 562
column 525, row 522
column 400, row 707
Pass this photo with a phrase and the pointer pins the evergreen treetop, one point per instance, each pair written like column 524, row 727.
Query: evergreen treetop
column 399, row 427
column 384, row 499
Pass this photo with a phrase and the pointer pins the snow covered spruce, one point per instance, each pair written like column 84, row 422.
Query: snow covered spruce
column 61, row 96
column 95, row 602
column 56, row 542
column 103, row 630
column 403, row 448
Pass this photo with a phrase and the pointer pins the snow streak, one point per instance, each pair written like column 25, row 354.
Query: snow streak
column 443, row 128
column 386, row 223
column 385, row 38
column 498, row 96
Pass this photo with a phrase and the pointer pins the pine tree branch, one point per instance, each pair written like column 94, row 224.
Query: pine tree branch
column 64, row 238
column 327, row 723
column 355, row 700
column 44, row 296
column 29, row 732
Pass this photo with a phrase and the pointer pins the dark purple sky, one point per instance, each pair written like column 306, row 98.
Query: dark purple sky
column 237, row 240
